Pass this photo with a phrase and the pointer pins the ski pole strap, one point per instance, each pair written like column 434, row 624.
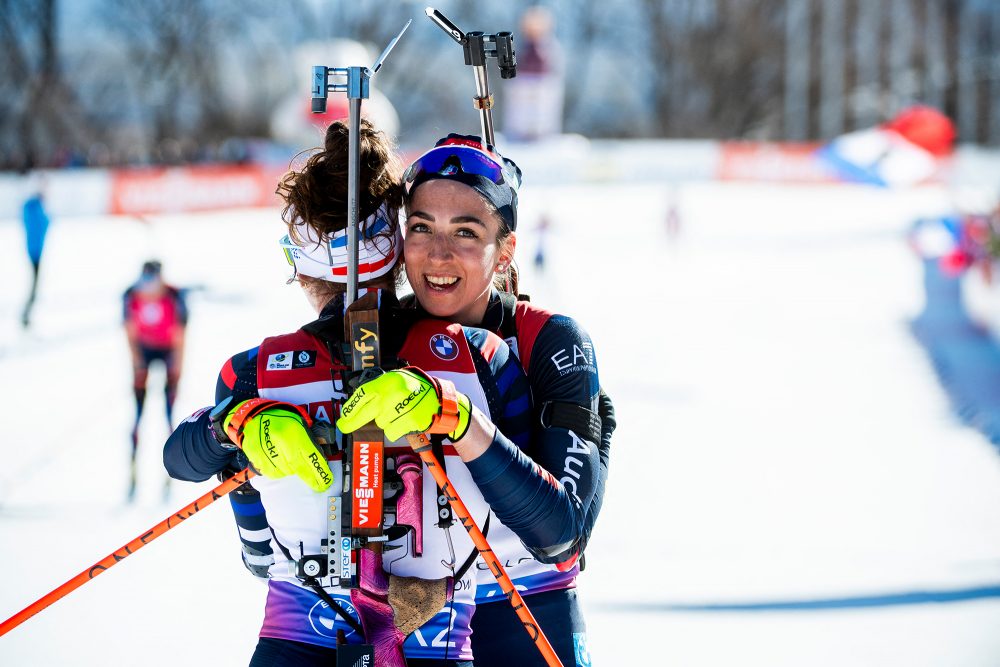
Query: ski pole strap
column 337, row 609
column 317, row 588
column 475, row 552
column 247, row 410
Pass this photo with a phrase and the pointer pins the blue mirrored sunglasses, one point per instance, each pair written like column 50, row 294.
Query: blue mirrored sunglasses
column 451, row 160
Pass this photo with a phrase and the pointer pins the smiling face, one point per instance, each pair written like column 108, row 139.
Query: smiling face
column 451, row 250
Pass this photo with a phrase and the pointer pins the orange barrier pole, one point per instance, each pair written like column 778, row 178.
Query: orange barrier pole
column 237, row 480
column 422, row 446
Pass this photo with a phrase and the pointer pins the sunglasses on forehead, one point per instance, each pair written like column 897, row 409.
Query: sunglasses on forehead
column 457, row 159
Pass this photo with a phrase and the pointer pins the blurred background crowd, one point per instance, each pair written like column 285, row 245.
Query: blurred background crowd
column 126, row 82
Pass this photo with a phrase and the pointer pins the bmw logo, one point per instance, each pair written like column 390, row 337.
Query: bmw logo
column 303, row 357
column 323, row 619
column 444, row 347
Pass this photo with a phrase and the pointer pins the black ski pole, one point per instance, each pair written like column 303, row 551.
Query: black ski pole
column 357, row 530
column 478, row 47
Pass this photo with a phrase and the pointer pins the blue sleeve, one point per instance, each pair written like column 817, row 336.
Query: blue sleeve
column 522, row 493
column 192, row 453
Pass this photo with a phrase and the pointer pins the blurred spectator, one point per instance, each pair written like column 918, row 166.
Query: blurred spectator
column 36, row 226
column 534, row 98
column 673, row 222
column 155, row 316
column 541, row 240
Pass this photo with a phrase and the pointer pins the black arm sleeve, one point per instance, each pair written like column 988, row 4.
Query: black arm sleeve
column 606, row 411
column 192, row 453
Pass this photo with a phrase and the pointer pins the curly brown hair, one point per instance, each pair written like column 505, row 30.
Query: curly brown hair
column 316, row 194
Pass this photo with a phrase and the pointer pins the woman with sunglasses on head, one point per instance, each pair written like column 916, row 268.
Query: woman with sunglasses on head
column 461, row 206
column 416, row 597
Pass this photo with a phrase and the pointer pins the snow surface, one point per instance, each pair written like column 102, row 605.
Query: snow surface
column 782, row 438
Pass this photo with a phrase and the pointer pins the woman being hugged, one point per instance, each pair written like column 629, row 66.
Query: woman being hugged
column 461, row 206
column 416, row 594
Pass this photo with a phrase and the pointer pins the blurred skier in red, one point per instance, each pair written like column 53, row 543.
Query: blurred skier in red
column 155, row 318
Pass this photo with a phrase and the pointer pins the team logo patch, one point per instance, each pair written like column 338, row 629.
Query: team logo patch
column 444, row 347
column 345, row 558
column 323, row 619
column 282, row 361
column 304, row 359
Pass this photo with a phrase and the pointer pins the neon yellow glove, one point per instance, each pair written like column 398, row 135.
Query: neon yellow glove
column 407, row 401
column 274, row 435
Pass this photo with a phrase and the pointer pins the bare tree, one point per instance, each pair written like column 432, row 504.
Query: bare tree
column 721, row 66
column 168, row 80
column 194, row 67
column 34, row 107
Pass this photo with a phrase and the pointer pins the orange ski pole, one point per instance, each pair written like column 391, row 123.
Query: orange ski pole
column 237, row 480
column 422, row 446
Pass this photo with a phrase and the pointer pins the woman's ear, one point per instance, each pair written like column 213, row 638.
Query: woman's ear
column 507, row 253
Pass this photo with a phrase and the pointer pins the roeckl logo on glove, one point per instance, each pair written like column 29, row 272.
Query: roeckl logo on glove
column 322, row 473
column 268, row 445
column 353, row 403
column 406, row 401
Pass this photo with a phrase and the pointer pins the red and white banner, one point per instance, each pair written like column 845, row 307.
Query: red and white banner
column 782, row 163
column 196, row 188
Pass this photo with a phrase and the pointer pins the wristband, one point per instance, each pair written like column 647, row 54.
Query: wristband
column 217, row 418
column 448, row 417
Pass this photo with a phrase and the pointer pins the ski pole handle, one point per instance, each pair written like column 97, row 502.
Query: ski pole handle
column 422, row 446
column 237, row 480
